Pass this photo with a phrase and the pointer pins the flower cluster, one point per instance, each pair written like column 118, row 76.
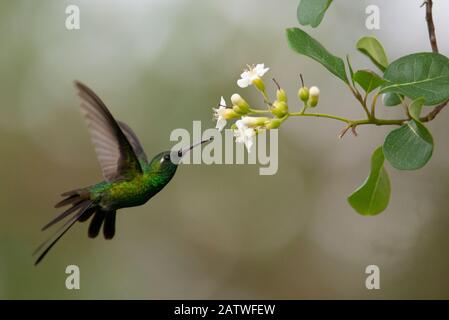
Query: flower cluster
column 246, row 127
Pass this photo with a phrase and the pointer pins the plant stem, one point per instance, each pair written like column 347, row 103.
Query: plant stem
column 359, row 97
column 433, row 43
column 266, row 99
column 375, row 121
column 432, row 114
column 380, row 122
column 304, row 108
column 352, row 123
column 373, row 106
column 319, row 115
column 431, row 26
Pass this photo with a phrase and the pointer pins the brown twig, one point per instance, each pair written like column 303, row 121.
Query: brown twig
column 433, row 43
column 345, row 129
column 431, row 26
column 343, row 132
column 432, row 114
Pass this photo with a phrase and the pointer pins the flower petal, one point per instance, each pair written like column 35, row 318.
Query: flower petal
column 243, row 83
column 240, row 124
column 249, row 143
column 222, row 102
column 221, row 123
column 218, row 112
column 260, row 69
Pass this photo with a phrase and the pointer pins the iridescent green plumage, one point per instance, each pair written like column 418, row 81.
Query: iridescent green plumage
column 138, row 190
column 130, row 179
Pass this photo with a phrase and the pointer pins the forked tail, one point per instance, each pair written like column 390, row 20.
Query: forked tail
column 82, row 208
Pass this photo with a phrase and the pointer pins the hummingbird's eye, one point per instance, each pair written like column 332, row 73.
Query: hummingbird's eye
column 167, row 157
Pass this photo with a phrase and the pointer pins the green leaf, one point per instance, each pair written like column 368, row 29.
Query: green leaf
column 311, row 12
column 304, row 44
column 368, row 80
column 373, row 195
column 408, row 147
column 391, row 99
column 419, row 75
column 372, row 48
column 415, row 108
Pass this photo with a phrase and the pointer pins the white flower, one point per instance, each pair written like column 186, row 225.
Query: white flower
column 245, row 135
column 219, row 114
column 251, row 74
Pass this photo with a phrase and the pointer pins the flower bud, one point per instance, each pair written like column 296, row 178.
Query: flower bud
column 252, row 122
column 258, row 83
column 279, row 109
column 303, row 94
column 243, row 106
column 281, row 95
column 239, row 110
column 273, row 124
column 230, row 114
column 314, row 92
column 314, row 95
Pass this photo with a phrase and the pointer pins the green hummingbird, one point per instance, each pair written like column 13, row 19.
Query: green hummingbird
column 129, row 178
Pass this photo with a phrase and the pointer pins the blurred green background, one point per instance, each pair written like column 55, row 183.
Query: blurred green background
column 218, row 231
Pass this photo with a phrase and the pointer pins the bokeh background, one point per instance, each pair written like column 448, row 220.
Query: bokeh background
column 217, row 231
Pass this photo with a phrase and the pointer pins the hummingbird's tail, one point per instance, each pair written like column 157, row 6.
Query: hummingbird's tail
column 101, row 217
column 79, row 199
column 105, row 218
column 82, row 209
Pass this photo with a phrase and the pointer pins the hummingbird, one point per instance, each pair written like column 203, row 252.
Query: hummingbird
column 129, row 178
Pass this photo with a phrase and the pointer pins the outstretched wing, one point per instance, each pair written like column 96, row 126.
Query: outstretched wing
column 115, row 153
column 134, row 141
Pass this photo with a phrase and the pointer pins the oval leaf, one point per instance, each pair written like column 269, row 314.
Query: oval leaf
column 311, row 12
column 304, row 44
column 368, row 80
column 419, row 75
column 415, row 108
column 408, row 147
column 372, row 48
column 391, row 99
column 373, row 195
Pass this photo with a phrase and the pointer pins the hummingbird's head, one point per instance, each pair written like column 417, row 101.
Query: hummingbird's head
column 162, row 164
column 167, row 162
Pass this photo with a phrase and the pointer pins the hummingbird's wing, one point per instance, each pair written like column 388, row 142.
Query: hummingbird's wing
column 135, row 143
column 114, row 150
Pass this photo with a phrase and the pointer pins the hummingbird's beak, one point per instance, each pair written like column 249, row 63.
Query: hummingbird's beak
column 181, row 152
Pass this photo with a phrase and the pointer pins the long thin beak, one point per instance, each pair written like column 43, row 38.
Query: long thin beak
column 183, row 152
